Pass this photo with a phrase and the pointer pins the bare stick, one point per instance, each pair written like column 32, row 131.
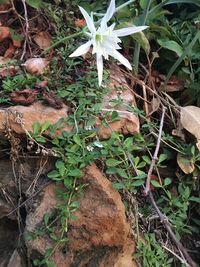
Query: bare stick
column 167, row 226
column 26, row 29
column 155, row 156
column 28, row 199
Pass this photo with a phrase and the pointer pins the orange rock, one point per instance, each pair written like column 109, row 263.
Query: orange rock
column 118, row 99
column 28, row 115
column 100, row 234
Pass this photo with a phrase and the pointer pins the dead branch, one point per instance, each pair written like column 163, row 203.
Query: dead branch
column 155, row 156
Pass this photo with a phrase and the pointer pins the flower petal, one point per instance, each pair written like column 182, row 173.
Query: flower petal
column 81, row 50
column 129, row 30
column 120, row 58
column 109, row 13
column 88, row 19
column 100, row 68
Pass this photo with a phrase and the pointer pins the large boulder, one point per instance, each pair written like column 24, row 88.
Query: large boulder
column 100, row 234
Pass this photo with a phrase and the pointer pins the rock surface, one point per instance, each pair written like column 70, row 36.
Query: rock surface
column 14, row 117
column 118, row 99
column 21, row 118
column 98, row 237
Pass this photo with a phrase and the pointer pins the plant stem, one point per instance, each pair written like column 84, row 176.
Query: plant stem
column 136, row 55
column 62, row 40
column 180, row 59
column 123, row 5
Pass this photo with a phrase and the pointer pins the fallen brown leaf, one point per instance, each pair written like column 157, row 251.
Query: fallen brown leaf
column 190, row 120
column 52, row 100
column 185, row 163
column 43, row 39
column 25, row 97
column 7, row 71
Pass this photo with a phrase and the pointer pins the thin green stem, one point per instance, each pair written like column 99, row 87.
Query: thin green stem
column 123, row 5
column 157, row 7
column 117, row 8
column 136, row 55
column 181, row 58
column 62, row 40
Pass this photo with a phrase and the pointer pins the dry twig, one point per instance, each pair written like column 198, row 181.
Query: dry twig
column 155, row 156
column 167, row 226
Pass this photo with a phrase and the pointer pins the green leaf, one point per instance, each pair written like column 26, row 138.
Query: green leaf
column 53, row 174
column 156, row 184
column 40, row 139
column 195, row 199
column 171, row 45
column 122, row 173
column 138, row 183
column 118, row 186
column 45, row 126
column 195, row 2
column 147, row 159
column 112, row 162
column 161, row 158
column 60, row 164
column 28, row 236
column 77, row 140
column 114, row 116
column 50, row 263
column 34, row 3
column 46, row 218
column 75, row 173
column 36, row 127
column 111, row 170
column 167, row 181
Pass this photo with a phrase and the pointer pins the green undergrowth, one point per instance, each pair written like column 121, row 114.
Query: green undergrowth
column 125, row 160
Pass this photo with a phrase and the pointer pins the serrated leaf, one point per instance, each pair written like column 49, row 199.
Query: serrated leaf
column 186, row 164
column 112, row 162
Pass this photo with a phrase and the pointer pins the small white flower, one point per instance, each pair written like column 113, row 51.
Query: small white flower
column 98, row 144
column 105, row 40
column 89, row 148
column 88, row 128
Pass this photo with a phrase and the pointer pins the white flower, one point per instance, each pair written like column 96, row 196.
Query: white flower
column 89, row 148
column 105, row 40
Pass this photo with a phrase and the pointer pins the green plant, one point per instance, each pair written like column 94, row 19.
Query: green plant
column 151, row 253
